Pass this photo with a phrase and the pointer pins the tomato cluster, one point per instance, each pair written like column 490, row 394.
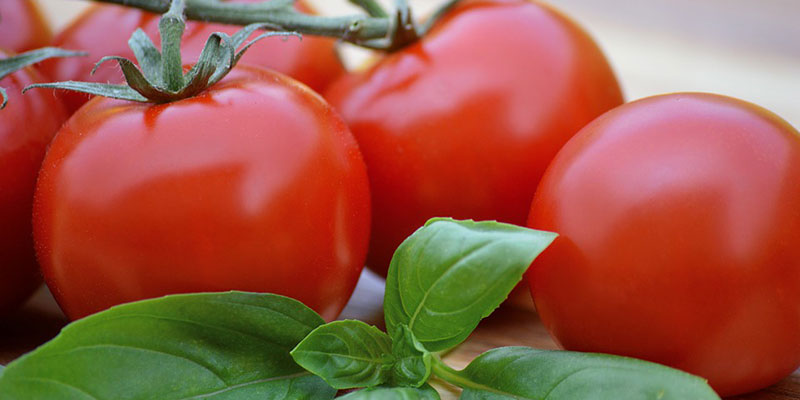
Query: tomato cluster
column 676, row 214
column 256, row 185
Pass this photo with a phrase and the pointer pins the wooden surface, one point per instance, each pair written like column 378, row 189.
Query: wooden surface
column 742, row 48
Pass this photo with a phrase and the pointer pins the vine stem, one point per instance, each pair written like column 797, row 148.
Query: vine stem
column 450, row 375
column 171, row 28
column 357, row 29
column 457, row 378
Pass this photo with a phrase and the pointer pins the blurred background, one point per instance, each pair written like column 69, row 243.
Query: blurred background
column 742, row 48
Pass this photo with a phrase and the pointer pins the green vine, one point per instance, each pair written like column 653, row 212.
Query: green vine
column 378, row 29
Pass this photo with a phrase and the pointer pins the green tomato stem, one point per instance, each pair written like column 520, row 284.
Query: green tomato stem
column 171, row 28
column 455, row 378
column 357, row 29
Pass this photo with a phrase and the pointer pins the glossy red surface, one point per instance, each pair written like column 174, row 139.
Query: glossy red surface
column 26, row 126
column 679, row 226
column 22, row 26
column 255, row 185
column 463, row 123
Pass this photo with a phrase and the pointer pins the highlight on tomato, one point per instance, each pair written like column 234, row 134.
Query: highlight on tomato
column 104, row 29
column 27, row 123
column 679, row 230
column 197, row 181
column 22, row 26
column 463, row 121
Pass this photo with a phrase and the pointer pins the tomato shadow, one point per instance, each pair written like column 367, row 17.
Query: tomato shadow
column 366, row 304
column 38, row 321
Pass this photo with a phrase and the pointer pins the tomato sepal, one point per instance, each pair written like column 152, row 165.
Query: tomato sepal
column 159, row 76
column 12, row 64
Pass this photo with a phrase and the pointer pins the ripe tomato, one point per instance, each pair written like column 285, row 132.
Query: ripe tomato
column 255, row 185
column 105, row 30
column 26, row 126
column 22, row 26
column 679, row 227
column 464, row 122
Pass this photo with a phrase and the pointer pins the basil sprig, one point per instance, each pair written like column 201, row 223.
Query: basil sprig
column 443, row 280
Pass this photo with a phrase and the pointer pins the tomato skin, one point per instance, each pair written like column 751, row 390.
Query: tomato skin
column 105, row 29
column 137, row 201
column 464, row 122
column 679, row 239
column 22, row 26
column 22, row 148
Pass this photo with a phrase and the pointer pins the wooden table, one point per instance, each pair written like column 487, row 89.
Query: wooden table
column 41, row 319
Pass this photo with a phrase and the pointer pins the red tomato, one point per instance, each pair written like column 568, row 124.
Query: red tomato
column 255, row 185
column 22, row 26
column 105, row 29
column 464, row 122
column 679, row 227
column 26, row 126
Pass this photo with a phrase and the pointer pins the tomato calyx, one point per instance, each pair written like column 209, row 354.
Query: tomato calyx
column 160, row 77
column 403, row 30
column 12, row 64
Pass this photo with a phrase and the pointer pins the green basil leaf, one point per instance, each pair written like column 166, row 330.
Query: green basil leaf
column 347, row 354
column 450, row 274
column 425, row 392
column 413, row 363
column 523, row 373
column 212, row 346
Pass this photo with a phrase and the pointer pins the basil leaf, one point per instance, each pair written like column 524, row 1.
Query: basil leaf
column 450, row 274
column 524, row 373
column 212, row 346
column 425, row 392
column 413, row 365
column 347, row 354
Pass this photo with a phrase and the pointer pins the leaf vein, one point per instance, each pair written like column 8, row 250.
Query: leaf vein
column 143, row 349
column 57, row 382
column 196, row 323
column 258, row 382
column 452, row 267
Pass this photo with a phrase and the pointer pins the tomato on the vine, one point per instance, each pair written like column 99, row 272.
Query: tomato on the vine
column 256, row 185
column 27, row 124
column 679, row 244
column 463, row 122
column 22, row 26
column 105, row 29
